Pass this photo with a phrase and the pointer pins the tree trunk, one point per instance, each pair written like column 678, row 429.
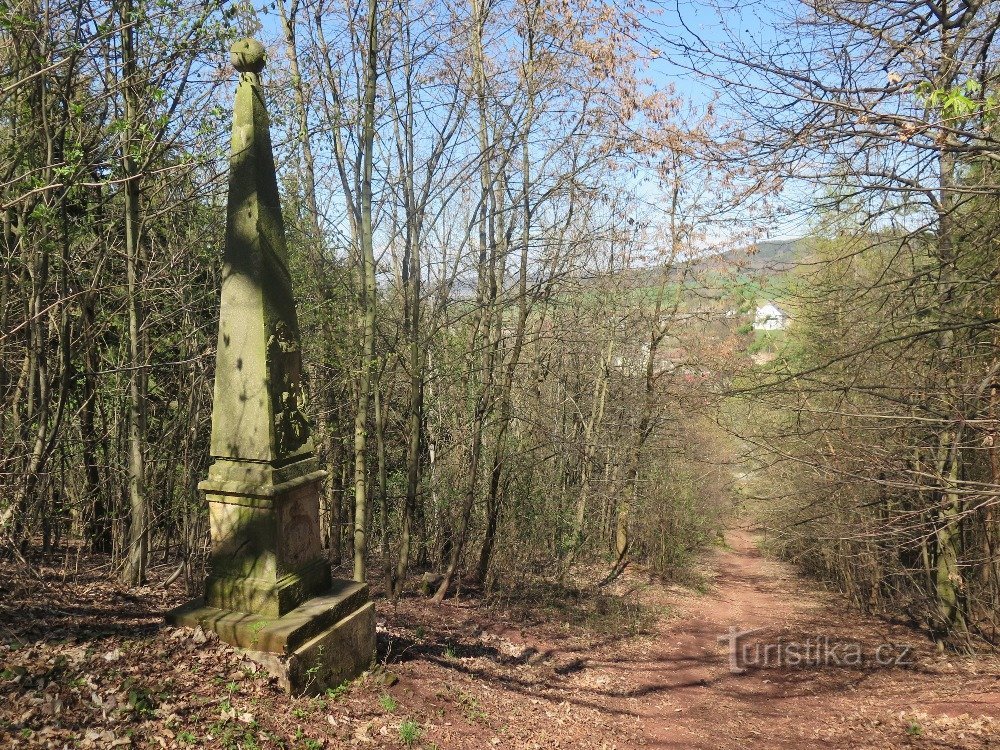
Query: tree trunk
column 367, row 374
column 138, row 536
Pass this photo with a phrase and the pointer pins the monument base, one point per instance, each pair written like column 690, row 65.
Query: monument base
column 318, row 645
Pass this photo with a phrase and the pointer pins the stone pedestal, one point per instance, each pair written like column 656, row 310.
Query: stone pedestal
column 269, row 588
column 266, row 555
column 317, row 645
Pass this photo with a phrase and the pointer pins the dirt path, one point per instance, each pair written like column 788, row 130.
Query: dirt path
column 533, row 687
column 684, row 694
column 85, row 663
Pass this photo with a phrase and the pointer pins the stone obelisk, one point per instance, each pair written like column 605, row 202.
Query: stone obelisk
column 269, row 588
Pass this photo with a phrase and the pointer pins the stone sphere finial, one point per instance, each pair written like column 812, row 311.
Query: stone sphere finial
column 247, row 56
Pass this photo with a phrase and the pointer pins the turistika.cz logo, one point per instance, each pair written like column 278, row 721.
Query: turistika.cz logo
column 814, row 652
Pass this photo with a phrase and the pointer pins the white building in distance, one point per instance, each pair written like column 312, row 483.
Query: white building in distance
column 770, row 317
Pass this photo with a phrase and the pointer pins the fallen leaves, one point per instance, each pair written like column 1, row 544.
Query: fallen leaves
column 104, row 739
column 508, row 684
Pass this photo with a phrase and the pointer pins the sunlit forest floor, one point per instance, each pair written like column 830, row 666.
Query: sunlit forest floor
column 86, row 664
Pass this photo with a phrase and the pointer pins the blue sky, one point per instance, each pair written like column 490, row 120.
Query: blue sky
column 673, row 26
column 678, row 28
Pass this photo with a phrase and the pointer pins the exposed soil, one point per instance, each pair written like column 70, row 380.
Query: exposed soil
column 684, row 694
column 86, row 664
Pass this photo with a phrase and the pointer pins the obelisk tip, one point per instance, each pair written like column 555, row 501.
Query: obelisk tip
column 247, row 56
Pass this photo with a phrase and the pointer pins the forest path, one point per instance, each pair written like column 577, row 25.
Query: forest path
column 546, row 667
column 684, row 694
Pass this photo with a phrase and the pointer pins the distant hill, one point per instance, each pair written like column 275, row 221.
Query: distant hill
column 778, row 255
column 767, row 257
column 712, row 273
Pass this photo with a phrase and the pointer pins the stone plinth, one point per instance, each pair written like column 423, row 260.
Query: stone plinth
column 269, row 588
column 317, row 645
column 266, row 556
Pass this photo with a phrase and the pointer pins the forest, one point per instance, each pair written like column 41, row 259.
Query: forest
column 533, row 246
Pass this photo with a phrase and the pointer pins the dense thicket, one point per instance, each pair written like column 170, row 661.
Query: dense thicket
column 466, row 188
